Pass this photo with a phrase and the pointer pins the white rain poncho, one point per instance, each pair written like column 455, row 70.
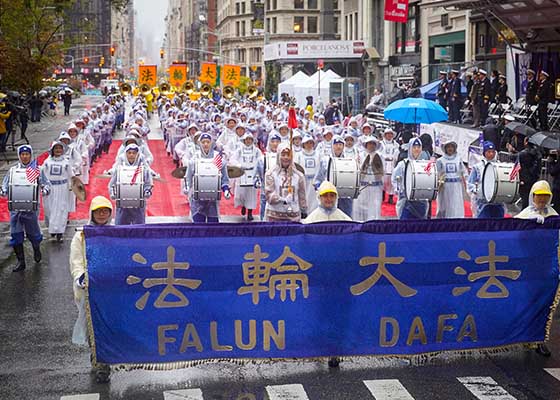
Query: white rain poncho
column 452, row 175
column 368, row 204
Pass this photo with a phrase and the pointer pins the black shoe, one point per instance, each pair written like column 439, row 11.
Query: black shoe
column 20, row 255
column 250, row 215
column 103, row 373
column 334, row 362
column 390, row 199
column 59, row 237
column 37, row 256
column 243, row 210
column 543, row 350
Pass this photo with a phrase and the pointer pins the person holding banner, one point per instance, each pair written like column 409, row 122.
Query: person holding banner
column 203, row 211
column 285, row 189
column 136, row 215
column 26, row 223
column 100, row 211
column 474, row 186
column 247, row 156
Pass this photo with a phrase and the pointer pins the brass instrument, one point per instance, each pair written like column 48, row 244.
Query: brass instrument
column 252, row 91
column 205, row 90
column 145, row 89
column 165, row 90
column 188, row 87
column 125, row 89
column 228, row 92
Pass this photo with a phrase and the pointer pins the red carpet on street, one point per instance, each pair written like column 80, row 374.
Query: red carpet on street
column 167, row 199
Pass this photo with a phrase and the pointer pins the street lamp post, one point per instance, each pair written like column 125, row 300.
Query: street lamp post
column 72, row 61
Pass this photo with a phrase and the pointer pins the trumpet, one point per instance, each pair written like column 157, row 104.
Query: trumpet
column 125, row 89
column 206, row 90
column 188, row 87
column 228, row 92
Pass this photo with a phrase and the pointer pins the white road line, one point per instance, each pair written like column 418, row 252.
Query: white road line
column 485, row 388
column 91, row 396
column 183, row 394
column 388, row 389
column 286, row 392
column 555, row 372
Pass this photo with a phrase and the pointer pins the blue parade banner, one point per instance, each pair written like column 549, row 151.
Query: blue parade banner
column 176, row 293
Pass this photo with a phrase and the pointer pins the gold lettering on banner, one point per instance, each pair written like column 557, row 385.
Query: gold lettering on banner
column 170, row 296
column 216, row 346
column 468, row 329
column 278, row 336
column 257, row 275
column 190, row 339
column 383, row 341
column 441, row 327
column 492, row 274
column 162, row 339
column 417, row 332
column 381, row 261
column 252, row 335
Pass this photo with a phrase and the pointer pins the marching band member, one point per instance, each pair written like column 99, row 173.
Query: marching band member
column 367, row 206
column 266, row 164
column 336, row 152
column 350, row 150
column 482, row 208
column 310, row 160
column 389, row 152
column 327, row 210
column 452, row 177
column 228, row 134
column 131, row 216
column 247, row 157
column 205, row 210
column 325, row 146
column 409, row 209
column 25, row 223
column 81, row 150
column 89, row 143
column 59, row 173
column 285, row 189
column 74, row 158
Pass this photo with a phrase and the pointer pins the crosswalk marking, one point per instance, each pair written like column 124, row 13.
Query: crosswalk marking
column 555, row 372
column 183, row 394
column 388, row 389
column 92, row 396
column 286, row 392
column 485, row 388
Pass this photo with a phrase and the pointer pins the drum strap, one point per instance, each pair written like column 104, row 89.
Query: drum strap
column 364, row 183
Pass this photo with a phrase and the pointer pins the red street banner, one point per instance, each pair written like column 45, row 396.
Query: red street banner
column 396, row 10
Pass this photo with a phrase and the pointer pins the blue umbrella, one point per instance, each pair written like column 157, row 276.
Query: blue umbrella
column 415, row 111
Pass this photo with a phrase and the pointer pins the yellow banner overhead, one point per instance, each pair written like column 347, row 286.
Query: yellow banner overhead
column 147, row 74
column 231, row 75
column 208, row 73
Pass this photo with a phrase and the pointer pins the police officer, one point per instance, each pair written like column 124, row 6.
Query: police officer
column 542, row 98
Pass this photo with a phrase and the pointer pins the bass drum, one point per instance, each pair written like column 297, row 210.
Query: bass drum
column 344, row 175
column 207, row 182
column 420, row 181
column 496, row 185
column 129, row 195
column 22, row 195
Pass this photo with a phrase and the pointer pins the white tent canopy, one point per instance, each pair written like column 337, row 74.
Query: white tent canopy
column 310, row 87
column 288, row 85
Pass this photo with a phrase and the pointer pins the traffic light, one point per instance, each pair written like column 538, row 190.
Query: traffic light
column 112, row 51
column 86, row 60
column 161, row 54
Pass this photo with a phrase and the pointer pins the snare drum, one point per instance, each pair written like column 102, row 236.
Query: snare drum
column 496, row 185
column 344, row 175
column 22, row 195
column 419, row 184
column 129, row 195
column 207, row 182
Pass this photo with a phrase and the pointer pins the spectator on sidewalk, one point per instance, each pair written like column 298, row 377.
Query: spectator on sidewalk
column 67, row 99
column 36, row 105
column 4, row 115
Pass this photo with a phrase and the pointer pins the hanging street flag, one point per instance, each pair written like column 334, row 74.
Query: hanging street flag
column 177, row 75
column 396, row 10
column 231, row 75
column 147, row 74
column 208, row 73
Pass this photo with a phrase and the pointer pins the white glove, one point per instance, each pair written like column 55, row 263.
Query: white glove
column 227, row 195
column 540, row 219
column 45, row 191
column 257, row 184
column 289, row 198
column 80, row 281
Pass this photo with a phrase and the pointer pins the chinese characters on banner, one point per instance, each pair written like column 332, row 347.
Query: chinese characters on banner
column 147, row 74
column 177, row 75
column 208, row 73
column 231, row 75
column 396, row 10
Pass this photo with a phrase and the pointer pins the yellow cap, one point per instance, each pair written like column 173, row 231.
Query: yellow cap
column 542, row 187
column 327, row 187
column 100, row 202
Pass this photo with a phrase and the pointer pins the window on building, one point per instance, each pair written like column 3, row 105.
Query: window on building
column 312, row 25
column 237, row 8
column 241, row 55
column 336, row 25
column 256, row 56
column 356, row 26
column 268, row 25
column 274, row 4
column 243, row 28
column 346, row 27
column 406, row 35
column 237, row 28
column 243, row 8
column 350, row 27
column 312, row 4
column 299, row 4
column 335, row 4
column 299, row 24
column 273, row 25
column 267, row 5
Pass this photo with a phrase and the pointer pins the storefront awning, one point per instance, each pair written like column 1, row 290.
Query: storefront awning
column 535, row 22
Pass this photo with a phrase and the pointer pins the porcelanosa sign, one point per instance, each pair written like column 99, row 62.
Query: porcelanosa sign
column 314, row 49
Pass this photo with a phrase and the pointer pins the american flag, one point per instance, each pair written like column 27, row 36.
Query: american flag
column 137, row 172
column 218, row 160
column 428, row 167
column 32, row 171
column 514, row 172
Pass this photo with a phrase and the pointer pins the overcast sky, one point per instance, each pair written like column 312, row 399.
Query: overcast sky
column 150, row 27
